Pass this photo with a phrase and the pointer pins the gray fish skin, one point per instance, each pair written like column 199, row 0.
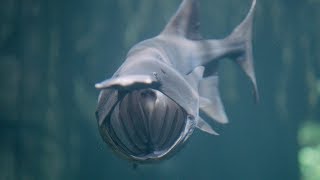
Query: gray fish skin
column 170, row 65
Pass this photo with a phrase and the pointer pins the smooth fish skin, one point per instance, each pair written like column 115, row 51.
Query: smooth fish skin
column 149, row 108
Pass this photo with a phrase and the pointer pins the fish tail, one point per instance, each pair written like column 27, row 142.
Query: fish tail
column 243, row 34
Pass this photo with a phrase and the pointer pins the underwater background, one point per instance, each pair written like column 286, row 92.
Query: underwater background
column 52, row 52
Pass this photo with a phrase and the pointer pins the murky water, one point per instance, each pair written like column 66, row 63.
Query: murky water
column 53, row 52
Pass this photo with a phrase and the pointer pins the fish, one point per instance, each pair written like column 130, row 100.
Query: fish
column 155, row 100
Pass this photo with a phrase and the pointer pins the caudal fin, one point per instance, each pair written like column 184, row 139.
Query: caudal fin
column 243, row 34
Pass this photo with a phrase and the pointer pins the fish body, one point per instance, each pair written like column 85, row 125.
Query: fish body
column 149, row 108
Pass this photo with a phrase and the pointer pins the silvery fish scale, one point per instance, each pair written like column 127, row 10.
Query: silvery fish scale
column 149, row 108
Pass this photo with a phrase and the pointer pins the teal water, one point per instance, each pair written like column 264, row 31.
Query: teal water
column 53, row 52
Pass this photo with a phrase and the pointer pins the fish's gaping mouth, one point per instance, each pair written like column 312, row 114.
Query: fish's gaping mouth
column 144, row 124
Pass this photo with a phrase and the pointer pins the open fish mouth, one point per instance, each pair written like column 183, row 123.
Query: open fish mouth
column 144, row 124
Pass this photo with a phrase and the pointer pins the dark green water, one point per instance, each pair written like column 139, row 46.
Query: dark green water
column 53, row 52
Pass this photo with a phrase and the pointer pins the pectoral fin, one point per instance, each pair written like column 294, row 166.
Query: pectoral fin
column 210, row 101
column 204, row 126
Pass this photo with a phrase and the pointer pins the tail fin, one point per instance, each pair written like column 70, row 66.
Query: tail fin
column 243, row 33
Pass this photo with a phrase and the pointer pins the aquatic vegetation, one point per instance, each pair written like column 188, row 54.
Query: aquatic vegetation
column 309, row 154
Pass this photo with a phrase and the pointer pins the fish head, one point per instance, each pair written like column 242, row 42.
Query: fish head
column 147, row 111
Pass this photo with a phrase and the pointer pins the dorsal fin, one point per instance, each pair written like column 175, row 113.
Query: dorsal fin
column 186, row 21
